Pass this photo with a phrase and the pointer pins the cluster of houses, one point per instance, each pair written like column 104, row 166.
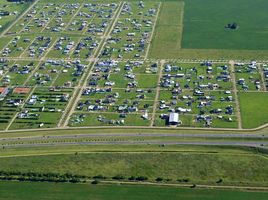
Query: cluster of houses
column 64, row 44
column 251, row 75
column 129, row 9
column 39, row 46
column 131, row 34
column 104, row 68
column 203, row 78
column 87, row 44
column 197, row 101
column 44, row 74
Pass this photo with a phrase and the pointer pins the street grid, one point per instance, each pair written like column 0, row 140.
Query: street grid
column 71, row 107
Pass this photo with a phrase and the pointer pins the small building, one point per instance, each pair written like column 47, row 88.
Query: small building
column 173, row 119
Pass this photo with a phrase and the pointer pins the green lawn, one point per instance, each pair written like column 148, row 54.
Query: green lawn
column 205, row 21
column 27, row 190
column 202, row 35
column 168, row 31
column 254, row 109
column 204, row 168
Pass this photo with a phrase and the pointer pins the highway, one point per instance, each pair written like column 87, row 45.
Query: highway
column 241, row 144
column 76, row 136
column 249, row 140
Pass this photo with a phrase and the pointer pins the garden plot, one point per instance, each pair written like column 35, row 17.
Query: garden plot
column 11, row 99
column 18, row 73
column 16, row 46
column 129, row 38
column 63, row 47
column 38, row 47
column 58, row 73
column 248, row 77
column 85, row 48
column 43, row 108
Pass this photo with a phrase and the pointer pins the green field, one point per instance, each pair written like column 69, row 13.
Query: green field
column 30, row 191
column 200, row 168
column 254, row 109
column 205, row 21
column 202, row 35
column 167, row 37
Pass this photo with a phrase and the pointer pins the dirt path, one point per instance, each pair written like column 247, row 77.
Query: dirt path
column 162, row 62
column 238, row 112
column 153, row 31
column 262, row 77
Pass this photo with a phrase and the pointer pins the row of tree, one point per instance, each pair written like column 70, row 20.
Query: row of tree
column 68, row 177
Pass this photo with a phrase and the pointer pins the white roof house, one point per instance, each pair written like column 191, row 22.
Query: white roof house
column 173, row 118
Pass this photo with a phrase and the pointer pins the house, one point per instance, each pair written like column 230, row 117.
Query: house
column 173, row 119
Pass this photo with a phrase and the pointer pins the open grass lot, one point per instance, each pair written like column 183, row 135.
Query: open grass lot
column 196, row 167
column 205, row 21
column 110, row 192
column 254, row 109
column 202, row 34
column 167, row 37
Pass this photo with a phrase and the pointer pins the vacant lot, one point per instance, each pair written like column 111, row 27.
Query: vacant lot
column 197, row 167
column 254, row 109
column 205, row 21
column 168, row 31
column 109, row 192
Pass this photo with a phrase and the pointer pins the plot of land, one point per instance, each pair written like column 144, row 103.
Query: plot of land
column 250, row 168
column 103, row 192
column 205, row 21
column 254, row 109
column 89, row 64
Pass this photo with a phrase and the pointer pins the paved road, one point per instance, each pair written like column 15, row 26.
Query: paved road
column 247, row 144
column 77, row 136
column 105, row 135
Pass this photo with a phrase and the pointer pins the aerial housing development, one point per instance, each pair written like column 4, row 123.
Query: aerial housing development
column 140, row 92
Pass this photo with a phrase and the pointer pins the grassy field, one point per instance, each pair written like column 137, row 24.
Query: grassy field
column 168, row 31
column 253, row 104
column 202, row 168
column 109, row 192
column 202, row 34
column 205, row 21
